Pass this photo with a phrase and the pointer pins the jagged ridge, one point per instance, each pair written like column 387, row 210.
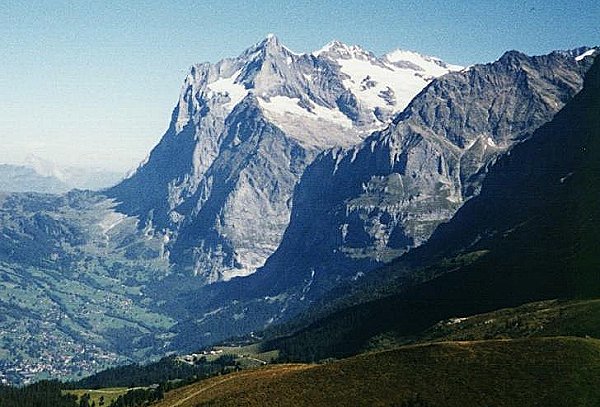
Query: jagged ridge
column 220, row 182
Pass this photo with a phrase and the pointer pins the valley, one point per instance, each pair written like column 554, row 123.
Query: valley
column 73, row 289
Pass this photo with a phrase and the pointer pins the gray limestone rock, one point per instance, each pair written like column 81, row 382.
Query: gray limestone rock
column 359, row 207
column 220, row 182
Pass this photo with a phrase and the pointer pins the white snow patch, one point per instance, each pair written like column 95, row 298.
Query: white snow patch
column 292, row 52
column 432, row 65
column 371, row 79
column 284, row 105
column 321, row 127
column 403, row 82
column 327, row 47
column 587, row 53
column 307, row 286
column 338, row 47
column 228, row 87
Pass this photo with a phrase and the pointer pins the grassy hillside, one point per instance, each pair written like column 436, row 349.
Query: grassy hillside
column 544, row 318
column 538, row 319
column 537, row 371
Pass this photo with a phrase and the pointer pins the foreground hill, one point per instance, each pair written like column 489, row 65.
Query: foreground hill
column 523, row 332
column 541, row 371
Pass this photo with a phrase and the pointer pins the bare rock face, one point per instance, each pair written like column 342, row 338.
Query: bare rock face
column 387, row 194
column 355, row 208
column 219, row 184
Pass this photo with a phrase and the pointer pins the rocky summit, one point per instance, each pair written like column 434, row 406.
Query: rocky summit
column 387, row 194
column 357, row 208
column 219, row 184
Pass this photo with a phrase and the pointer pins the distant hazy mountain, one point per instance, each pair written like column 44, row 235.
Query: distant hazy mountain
column 17, row 178
column 220, row 182
column 75, row 177
column 39, row 175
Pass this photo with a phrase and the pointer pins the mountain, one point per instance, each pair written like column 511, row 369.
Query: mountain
column 43, row 176
column 371, row 202
column 93, row 279
column 75, row 177
column 19, row 178
column 529, row 235
column 386, row 195
column 220, row 182
column 544, row 238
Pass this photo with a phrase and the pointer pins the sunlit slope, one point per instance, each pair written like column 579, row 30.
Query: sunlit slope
column 543, row 371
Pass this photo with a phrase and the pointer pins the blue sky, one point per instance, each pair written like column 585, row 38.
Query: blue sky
column 92, row 83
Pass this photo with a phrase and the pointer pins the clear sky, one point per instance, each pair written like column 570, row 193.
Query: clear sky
column 93, row 83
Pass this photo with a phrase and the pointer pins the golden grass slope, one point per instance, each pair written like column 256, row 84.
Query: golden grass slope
column 524, row 372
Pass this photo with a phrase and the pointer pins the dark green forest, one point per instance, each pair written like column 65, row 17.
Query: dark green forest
column 41, row 394
column 147, row 383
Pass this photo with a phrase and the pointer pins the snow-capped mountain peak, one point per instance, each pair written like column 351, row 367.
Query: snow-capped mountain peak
column 384, row 85
column 269, row 43
column 332, row 45
column 268, row 46
column 263, row 116
column 337, row 49
column 342, row 87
